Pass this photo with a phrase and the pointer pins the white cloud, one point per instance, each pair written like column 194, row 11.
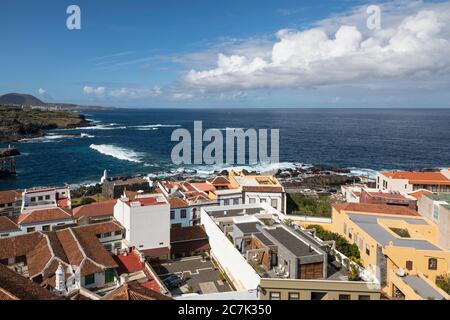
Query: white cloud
column 41, row 92
column 125, row 93
column 415, row 45
column 96, row 92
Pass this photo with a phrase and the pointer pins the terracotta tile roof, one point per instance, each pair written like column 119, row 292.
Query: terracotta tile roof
column 44, row 215
column 188, row 234
column 205, row 187
column 13, row 286
column 9, row 196
column 6, row 224
column 176, row 203
column 219, row 181
column 102, row 227
column 93, row 250
column 156, row 252
column 19, row 245
column 189, row 247
column 38, row 258
column 419, row 177
column 135, row 291
column 70, row 247
column 420, row 193
column 375, row 208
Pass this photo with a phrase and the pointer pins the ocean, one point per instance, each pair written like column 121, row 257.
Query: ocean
column 135, row 141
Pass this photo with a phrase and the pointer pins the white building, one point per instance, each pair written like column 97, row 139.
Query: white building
column 146, row 220
column 40, row 198
column 412, row 181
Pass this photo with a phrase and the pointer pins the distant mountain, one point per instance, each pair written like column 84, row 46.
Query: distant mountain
column 21, row 99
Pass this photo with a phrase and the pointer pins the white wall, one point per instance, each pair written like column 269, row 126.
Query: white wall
column 244, row 277
column 147, row 227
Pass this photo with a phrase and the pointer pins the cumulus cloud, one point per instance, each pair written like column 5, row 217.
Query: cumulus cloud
column 41, row 91
column 412, row 46
column 97, row 92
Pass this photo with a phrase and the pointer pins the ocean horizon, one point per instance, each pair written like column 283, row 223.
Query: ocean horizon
column 131, row 141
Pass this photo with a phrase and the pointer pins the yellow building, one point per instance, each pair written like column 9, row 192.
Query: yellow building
column 397, row 245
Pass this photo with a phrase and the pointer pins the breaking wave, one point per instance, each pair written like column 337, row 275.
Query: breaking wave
column 118, row 152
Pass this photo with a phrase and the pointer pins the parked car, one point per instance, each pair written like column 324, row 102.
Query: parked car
column 173, row 281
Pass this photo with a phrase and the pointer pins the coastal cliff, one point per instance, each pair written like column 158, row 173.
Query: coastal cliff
column 18, row 123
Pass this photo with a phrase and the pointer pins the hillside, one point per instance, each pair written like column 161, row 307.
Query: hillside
column 20, row 99
column 18, row 123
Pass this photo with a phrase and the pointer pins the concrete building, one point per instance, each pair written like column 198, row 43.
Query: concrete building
column 42, row 198
column 259, row 189
column 436, row 207
column 180, row 213
column 412, row 181
column 146, row 220
column 114, row 188
column 397, row 245
column 257, row 252
column 10, row 203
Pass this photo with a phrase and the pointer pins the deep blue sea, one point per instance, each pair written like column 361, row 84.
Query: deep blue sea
column 130, row 141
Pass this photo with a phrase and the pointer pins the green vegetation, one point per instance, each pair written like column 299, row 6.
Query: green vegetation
column 353, row 269
column 401, row 232
column 342, row 245
column 81, row 201
column 305, row 205
column 443, row 282
column 18, row 123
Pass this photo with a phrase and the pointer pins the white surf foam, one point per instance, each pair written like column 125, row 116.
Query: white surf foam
column 118, row 152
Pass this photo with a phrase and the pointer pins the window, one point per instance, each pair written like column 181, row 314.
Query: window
column 89, row 279
column 107, row 234
column 2, row 205
column 318, row 295
column 274, row 296
column 31, row 229
column 252, row 200
column 118, row 245
column 436, row 212
column 236, row 201
column 367, row 249
column 363, row 297
column 172, row 215
column 345, row 228
column 263, row 200
column 118, row 232
column 294, row 296
column 40, row 198
column 99, row 235
column 409, row 265
column 226, row 202
column 46, row 228
column 108, row 246
column 32, row 199
column 47, row 197
column 432, row 264
column 183, row 214
column 344, row 297
column 274, row 203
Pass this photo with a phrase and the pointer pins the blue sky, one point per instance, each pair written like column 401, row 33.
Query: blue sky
column 217, row 53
